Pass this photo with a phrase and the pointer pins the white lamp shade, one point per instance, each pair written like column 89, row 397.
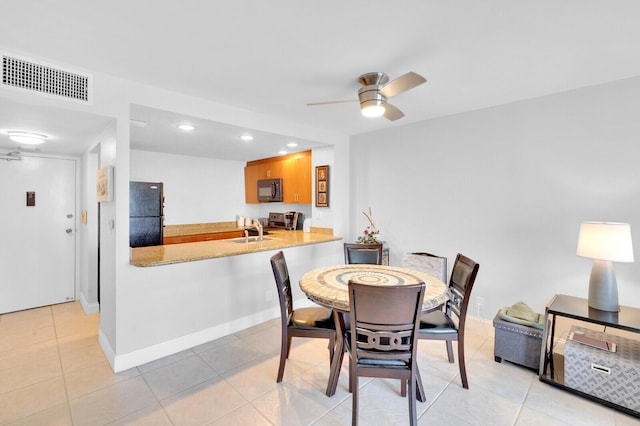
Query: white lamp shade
column 605, row 241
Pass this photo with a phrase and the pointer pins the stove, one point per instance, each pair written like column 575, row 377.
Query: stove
column 286, row 220
column 276, row 221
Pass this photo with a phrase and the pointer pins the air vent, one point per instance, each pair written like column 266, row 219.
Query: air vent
column 29, row 75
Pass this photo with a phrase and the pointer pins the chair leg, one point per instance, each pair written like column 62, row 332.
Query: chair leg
column 350, row 362
column 332, row 346
column 284, row 352
column 450, row 351
column 463, row 369
column 420, row 395
column 413, row 419
column 288, row 346
column 353, row 384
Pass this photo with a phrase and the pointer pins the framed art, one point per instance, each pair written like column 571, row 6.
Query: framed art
column 104, row 184
column 322, row 186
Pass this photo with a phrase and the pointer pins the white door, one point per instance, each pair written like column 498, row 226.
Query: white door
column 37, row 243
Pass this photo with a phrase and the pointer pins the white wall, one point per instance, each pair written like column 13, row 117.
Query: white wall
column 109, row 225
column 508, row 187
column 88, row 236
column 196, row 190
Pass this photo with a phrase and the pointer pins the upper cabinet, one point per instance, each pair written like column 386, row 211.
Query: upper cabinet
column 297, row 180
column 294, row 169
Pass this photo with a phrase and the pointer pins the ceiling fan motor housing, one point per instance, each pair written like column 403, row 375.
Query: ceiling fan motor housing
column 370, row 95
column 373, row 79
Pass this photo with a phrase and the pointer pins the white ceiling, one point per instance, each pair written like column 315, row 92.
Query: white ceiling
column 276, row 56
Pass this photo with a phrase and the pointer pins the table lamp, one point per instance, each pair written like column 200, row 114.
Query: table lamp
column 604, row 242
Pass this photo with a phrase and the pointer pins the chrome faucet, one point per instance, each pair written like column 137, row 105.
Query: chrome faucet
column 256, row 224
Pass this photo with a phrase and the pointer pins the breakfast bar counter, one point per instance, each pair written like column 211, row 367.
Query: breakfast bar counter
column 189, row 252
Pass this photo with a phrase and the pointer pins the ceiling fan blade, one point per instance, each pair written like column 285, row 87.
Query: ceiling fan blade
column 402, row 84
column 332, row 102
column 392, row 113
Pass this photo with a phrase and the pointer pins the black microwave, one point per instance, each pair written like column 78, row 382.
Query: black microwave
column 269, row 190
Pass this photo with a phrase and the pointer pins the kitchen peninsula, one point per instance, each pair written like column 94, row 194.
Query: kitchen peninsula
column 215, row 248
column 174, row 297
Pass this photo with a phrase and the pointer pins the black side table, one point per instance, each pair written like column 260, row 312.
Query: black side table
column 577, row 308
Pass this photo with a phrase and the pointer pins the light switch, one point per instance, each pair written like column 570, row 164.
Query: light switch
column 31, row 198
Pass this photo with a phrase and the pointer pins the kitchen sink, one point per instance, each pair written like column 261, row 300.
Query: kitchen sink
column 249, row 240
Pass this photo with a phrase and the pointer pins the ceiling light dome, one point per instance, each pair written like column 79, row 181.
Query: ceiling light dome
column 26, row 137
column 373, row 110
column 186, row 127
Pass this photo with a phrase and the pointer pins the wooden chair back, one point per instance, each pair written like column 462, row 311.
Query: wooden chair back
column 355, row 253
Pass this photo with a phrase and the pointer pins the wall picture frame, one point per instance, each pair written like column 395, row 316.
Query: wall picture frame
column 322, row 186
column 104, row 184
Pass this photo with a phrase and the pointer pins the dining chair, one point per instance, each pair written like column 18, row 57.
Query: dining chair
column 314, row 322
column 382, row 339
column 440, row 325
column 363, row 253
column 431, row 264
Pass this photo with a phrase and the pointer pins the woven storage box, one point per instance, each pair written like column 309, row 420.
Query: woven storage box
column 517, row 343
column 612, row 376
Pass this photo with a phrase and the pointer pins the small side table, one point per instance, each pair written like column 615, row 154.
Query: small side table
column 577, row 308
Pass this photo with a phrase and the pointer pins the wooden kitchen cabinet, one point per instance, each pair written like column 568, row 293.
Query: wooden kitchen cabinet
column 256, row 170
column 294, row 169
column 297, row 180
column 179, row 239
column 270, row 170
column 251, row 174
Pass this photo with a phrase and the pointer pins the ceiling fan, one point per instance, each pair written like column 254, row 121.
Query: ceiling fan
column 376, row 89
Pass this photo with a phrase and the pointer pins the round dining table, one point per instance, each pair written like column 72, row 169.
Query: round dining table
column 328, row 286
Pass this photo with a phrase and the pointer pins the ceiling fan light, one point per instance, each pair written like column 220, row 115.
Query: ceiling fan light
column 373, row 110
column 26, row 138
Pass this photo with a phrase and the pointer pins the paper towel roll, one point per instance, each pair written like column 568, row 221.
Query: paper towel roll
column 306, row 225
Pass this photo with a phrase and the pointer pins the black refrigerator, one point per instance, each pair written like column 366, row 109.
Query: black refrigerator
column 145, row 214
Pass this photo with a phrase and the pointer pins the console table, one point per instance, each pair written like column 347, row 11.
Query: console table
column 578, row 309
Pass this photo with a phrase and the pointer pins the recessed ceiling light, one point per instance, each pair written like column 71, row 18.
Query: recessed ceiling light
column 137, row 123
column 282, row 152
column 246, row 138
column 292, row 144
column 185, row 127
column 26, row 138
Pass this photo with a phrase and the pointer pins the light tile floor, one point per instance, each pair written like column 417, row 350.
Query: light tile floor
column 53, row 372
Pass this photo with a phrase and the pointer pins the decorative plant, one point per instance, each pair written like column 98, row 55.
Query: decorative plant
column 371, row 233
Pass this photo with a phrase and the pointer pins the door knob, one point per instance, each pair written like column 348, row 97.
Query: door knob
column 68, row 230
column 69, row 216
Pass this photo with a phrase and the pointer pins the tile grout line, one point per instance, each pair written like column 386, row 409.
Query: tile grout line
column 64, row 378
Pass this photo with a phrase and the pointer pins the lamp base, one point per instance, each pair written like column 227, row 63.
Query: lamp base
column 603, row 287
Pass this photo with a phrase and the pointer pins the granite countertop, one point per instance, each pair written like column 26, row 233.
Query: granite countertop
column 189, row 252
column 201, row 228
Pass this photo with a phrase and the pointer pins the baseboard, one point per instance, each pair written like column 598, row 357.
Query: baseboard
column 121, row 362
column 481, row 319
column 89, row 307
column 107, row 349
